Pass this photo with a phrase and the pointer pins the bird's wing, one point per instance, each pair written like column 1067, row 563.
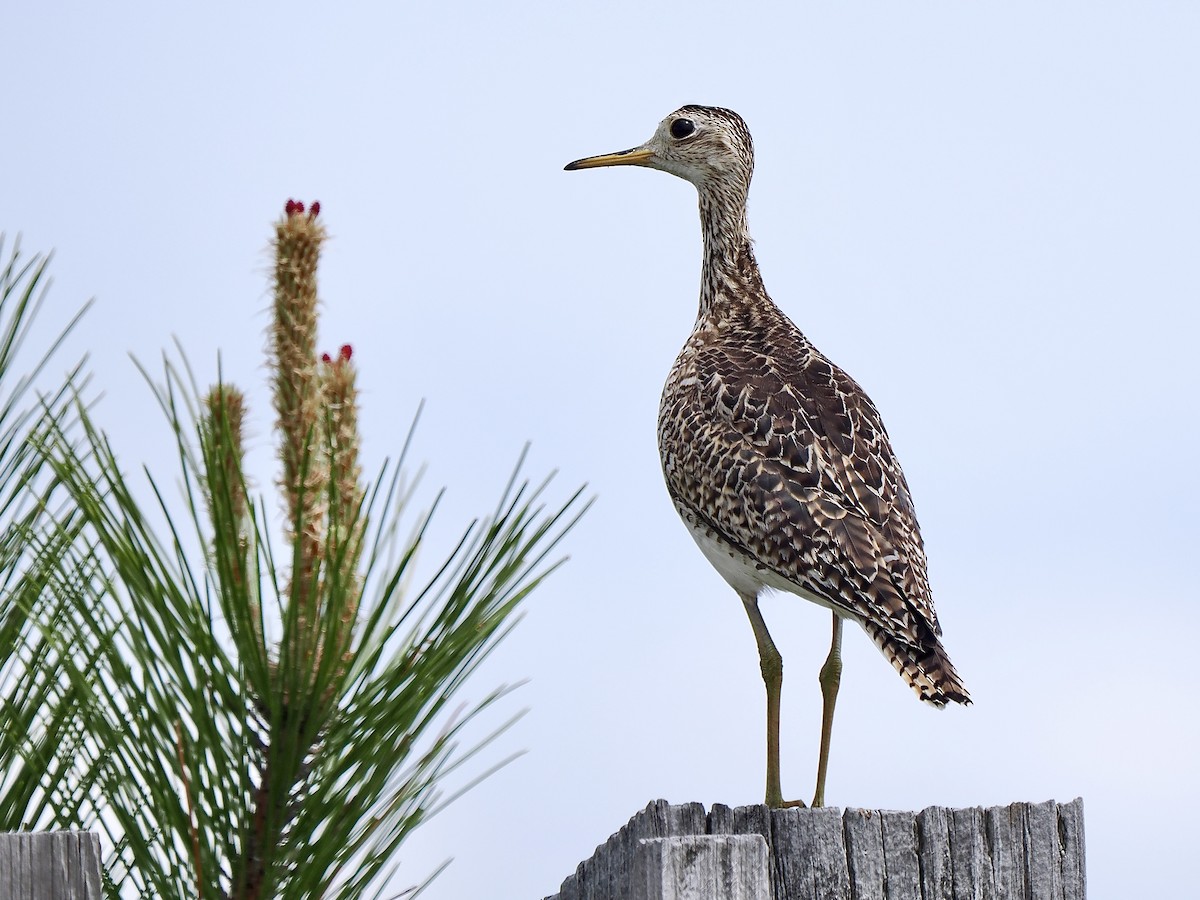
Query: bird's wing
column 791, row 461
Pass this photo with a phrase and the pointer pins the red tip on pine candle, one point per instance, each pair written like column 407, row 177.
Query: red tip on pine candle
column 326, row 358
column 290, row 206
column 315, row 209
column 346, row 352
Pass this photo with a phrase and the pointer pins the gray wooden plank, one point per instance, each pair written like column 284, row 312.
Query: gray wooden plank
column 658, row 820
column 792, row 852
column 595, row 875
column 11, row 851
column 80, row 864
column 90, row 860
column 6, row 881
column 933, row 852
column 50, row 865
column 24, row 881
column 720, row 819
column 603, row 876
column 592, row 874
column 829, row 854
column 577, row 886
column 41, row 864
column 810, row 854
column 1041, row 851
column 71, row 848
column 863, row 832
column 1074, row 868
column 969, row 858
column 756, row 819
column 902, row 869
column 701, row 867
column 66, row 853
column 583, row 880
column 686, row 819
column 598, row 878
column 1005, row 828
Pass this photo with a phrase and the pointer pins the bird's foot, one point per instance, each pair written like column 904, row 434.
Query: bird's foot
column 777, row 802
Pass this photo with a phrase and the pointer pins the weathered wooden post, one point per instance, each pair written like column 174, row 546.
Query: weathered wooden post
column 53, row 865
column 1024, row 851
column 722, row 867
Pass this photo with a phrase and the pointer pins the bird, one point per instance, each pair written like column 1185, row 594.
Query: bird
column 775, row 459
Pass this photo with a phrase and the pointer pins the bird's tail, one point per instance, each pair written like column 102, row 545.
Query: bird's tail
column 927, row 669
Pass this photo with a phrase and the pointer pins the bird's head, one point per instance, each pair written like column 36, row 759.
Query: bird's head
column 706, row 145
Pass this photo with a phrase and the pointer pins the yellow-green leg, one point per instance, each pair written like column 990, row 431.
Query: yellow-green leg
column 771, row 663
column 831, row 679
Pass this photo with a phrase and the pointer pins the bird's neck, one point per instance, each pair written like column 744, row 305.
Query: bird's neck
column 729, row 275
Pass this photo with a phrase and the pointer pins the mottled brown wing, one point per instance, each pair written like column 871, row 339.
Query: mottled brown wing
column 811, row 486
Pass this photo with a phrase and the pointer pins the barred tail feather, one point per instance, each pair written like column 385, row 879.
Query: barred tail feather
column 926, row 669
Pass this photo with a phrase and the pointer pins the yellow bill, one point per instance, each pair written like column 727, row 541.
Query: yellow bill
column 638, row 156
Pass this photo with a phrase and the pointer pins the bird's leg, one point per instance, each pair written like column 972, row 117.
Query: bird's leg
column 771, row 663
column 830, row 678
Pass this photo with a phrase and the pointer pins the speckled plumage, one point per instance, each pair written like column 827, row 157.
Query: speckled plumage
column 775, row 458
column 779, row 463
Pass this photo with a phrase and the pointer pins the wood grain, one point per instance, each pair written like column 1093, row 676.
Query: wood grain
column 1023, row 851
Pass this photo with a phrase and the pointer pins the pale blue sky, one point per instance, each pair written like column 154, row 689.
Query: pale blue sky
column 987, row 213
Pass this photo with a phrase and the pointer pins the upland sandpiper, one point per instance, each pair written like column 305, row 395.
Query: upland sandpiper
column 776, row 459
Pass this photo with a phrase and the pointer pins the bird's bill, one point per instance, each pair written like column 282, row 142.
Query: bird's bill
column 638, row 156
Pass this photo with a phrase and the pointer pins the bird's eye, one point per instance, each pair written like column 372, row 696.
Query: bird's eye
column 681, row 128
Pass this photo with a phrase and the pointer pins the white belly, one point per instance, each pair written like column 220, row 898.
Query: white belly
column 743, row 574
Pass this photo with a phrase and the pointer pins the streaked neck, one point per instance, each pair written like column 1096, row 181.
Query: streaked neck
column 729, row 275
